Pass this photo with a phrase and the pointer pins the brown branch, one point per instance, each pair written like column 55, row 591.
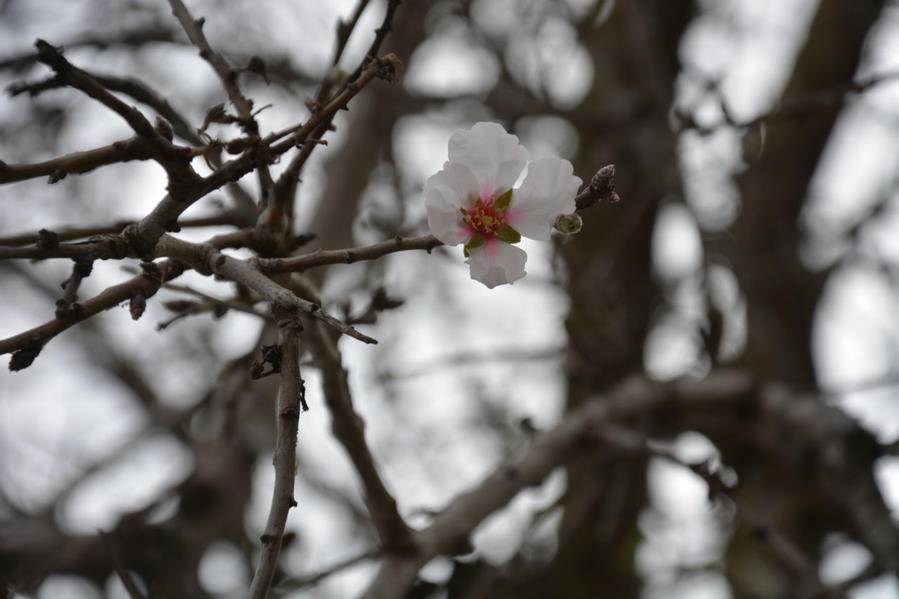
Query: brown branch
column 174, row 159
column 135, row 88
column 348, row 256
column 131, row 39
column 380, row 35
column 290, row 398
column 831, row 434
column 600, row 189
column 787, row 110
column 344, row 31
column 77, row 163
column 102, row 247
column 349, row 429
column 27, row 345
column 385, row 68
column 66, row 304
column 154, row 225
column 228, row 218
column 206, row 259
column 789, row 552
column 214, row 304
column 194, row 30
column 299, row 583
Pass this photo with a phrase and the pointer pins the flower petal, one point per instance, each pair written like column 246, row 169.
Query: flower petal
column 497, row 263
column 494, row 156
column 548, row 190
column 446, row 192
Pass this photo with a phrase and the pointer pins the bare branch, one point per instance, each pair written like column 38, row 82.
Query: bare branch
column 349, row 428
column 299, row 583
column 231, row 218
column 831, row 433
column 27, row 345
column 385, row 68
column 348, row 256
column 789, row 552
column 77, row 163
column 175, row 160
column 194, row 29
column 285, row 459
column 206, row 259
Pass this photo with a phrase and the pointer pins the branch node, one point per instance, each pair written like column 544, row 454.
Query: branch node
column 390, row 67
column 137, row 304
column 58, row 174
column 47, row 239
column 24, row 356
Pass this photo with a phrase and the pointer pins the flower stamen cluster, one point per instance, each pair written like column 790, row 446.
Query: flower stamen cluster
column 485, row 217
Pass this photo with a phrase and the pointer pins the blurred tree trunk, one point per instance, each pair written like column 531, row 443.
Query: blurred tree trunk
column 612, row 290
column 613, row 294
column 781, row 292
column 782, row 295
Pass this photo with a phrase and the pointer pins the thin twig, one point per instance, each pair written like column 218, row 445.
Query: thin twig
column 349, row 428
column 174, row 159
column 387, row 68
column 77, row 163
column 124, row 574
column 206, row 259
column 229, row 218
column 349, row 255
column 380, row 35
column 789, row 109
column 27, row 345
column 194, row 30
column 299, row 583
column 217, row 302
column 344, row 31
column 789, row 552
column 290, row 398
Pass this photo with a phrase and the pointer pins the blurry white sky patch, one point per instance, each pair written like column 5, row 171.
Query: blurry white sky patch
column 855, row 340
column 450, row 63
column 140, row 476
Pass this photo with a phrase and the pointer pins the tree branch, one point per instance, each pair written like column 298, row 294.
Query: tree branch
column 194, row 30
column 174, row 159
column 28, row 344
column 134, row 148
column 829, row 434
column 290, row 398
column 349, row 428
column 349, row 255
column 206, row 259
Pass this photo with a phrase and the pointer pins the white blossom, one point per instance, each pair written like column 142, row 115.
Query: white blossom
column 471, row 200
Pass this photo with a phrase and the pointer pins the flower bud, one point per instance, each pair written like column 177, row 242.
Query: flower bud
column 569, row 224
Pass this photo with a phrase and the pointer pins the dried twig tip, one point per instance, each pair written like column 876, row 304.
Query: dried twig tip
column 390, row 67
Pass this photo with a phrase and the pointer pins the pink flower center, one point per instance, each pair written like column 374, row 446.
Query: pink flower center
column 485, row 217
